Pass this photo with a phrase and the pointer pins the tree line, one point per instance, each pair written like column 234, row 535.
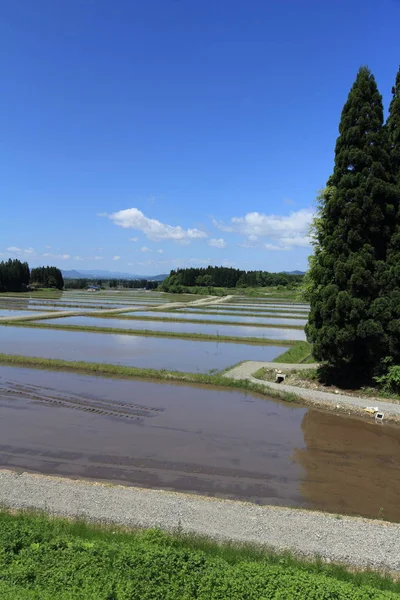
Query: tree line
column 15, row 276
column 227, row 277
column 83, row 283
column 353, row 284
column 50, row 277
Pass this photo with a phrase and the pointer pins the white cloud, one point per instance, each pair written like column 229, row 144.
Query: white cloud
column 77, row 258
column 217, row 243
column 116, row 257
column 19, row 251
column 284, row 232
column 222, row 226
column 133, row 218
column 275, row 247
column 57, row 256
column 48, row 247
column 134, row 239
column 160, row 251
column 98, row 257
column 145, row 249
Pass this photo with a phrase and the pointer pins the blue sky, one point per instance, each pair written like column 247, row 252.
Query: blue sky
column 142, row 136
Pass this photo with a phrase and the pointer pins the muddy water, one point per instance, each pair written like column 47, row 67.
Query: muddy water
column 197, row 439
column 139, row 351
column 217, row 329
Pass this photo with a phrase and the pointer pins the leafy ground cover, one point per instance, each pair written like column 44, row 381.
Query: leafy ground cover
column 43, row 558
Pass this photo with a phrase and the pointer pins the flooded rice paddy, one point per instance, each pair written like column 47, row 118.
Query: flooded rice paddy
column 176, row 327
column 211, row 317
column 234, row 310
column 5, row 312
column 265, row 307
column 197, row 439
column 172, row 354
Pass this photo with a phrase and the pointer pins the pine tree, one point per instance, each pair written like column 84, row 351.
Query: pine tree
column 352, row 233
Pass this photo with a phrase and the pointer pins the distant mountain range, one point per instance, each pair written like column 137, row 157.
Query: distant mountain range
column 295, row 272
column 96, row 274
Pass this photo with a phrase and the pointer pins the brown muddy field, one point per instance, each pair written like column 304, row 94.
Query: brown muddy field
column 196, row 439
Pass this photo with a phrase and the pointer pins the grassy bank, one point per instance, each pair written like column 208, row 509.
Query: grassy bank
column 299, row 353
column 48, row 559
column 205, row 337
column 109, row 370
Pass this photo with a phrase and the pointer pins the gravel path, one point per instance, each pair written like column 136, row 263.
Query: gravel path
column 354, row 541
column 337, row 402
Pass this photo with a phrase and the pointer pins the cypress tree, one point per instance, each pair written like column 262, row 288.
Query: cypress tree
column 391, row 283
column 352, row 233
column 393, row 128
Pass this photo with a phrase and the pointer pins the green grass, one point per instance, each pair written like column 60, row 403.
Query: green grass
column 144, row 332
column 299, row 353
column 54, row 559
column 216, row 380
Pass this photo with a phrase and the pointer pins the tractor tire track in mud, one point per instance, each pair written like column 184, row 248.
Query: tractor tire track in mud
column 48, row 396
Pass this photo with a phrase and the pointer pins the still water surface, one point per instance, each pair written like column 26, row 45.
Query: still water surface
column 210, row 317
column 197, row 439
column 217, row 329
column 131, row 350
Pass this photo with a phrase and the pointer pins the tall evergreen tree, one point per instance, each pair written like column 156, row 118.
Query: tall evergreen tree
column 352, row 234
column 393, row 127
column 391, row 282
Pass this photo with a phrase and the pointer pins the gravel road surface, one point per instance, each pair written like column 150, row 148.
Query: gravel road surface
column 354, row 541
column 338, row 402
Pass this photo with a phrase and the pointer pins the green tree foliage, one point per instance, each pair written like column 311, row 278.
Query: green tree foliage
column 393, row 127
column 14, row 275
column 227, row 277
column 83, row 283
column 47, row 277
column 76, row 284
column 356, row 221
column 391, row 279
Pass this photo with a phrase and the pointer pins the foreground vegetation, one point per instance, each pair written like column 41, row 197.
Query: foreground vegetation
column 47, row 559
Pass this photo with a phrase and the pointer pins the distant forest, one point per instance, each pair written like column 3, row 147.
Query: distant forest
column 82, row 283
column 15, row 276
column 227, row 277
column 48, row 277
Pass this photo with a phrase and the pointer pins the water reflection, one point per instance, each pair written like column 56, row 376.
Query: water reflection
column 351, row 466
